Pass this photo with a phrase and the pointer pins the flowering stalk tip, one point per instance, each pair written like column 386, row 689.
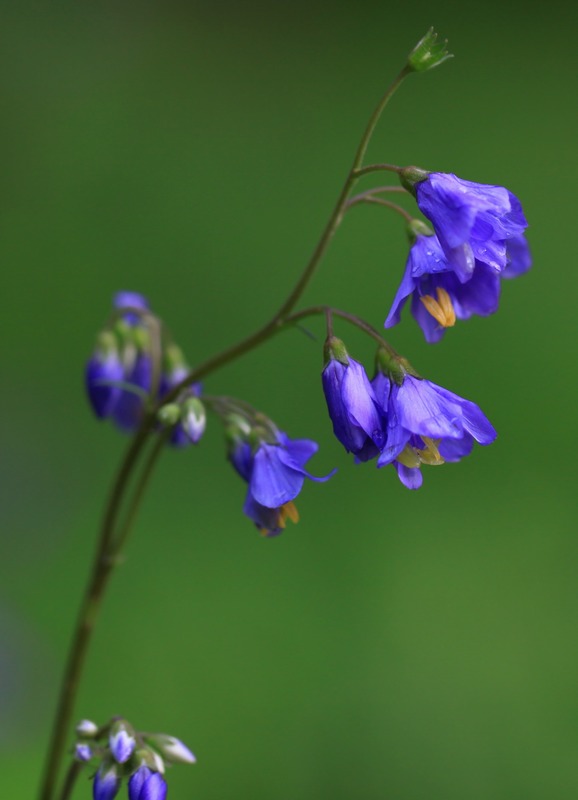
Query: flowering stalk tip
column 428, row 53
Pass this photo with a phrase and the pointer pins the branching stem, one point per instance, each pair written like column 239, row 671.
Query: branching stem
column 113, row 534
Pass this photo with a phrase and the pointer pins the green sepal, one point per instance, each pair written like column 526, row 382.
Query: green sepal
column 409, row 176
column 334, row 350
column 417, row 228
column 394, row 366
column 428, row 53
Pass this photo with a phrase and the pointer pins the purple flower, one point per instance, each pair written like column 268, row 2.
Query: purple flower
column 352, row 408
column 275, row 472
column 426, row 424
column 106, row 783
column 102, row 369
column 473, row 221
column 145, row 784
column 438, row 296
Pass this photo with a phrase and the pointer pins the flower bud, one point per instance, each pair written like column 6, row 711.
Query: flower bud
column 82, row 752
column 169, row 414
column 193, row 418
column 87, row 729
column 106, row 782
column 121, row 741
column 145, row 784
column 428, row 53
column 172, row 748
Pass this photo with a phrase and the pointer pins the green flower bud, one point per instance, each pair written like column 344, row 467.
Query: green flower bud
column 428, row 53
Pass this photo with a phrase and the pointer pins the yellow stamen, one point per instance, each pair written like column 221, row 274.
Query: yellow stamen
column 430, row 454
column 289, row 511
column 284, row 512
column 408, row 457
column 441, row 309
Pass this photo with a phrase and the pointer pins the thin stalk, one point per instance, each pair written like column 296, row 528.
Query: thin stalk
column 377, row 168
column 87, row 615
column 358, row 322
column 379, row 201
column 103, row 563
column 70, row 780
column 137, row 495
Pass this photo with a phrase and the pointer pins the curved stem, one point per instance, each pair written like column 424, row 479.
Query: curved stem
column 372, row 199
column 103, row 563
column 377, row 168
column 101, row 569
column 358, row 322
column 138, row 494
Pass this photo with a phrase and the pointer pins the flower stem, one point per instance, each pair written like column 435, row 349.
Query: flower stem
column 358, row 322
column 107, row 551
column 371, row 198
column 71, row 776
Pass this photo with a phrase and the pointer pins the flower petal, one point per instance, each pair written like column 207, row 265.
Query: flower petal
column 411, row 477
column 423, row 410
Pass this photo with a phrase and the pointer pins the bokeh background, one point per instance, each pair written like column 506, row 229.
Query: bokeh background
column 393, row 644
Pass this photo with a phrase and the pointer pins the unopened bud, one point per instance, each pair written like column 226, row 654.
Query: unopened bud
column 193, row 418
column 428, row 53
column 172, row 748
column 121, row 741
column 87, row 728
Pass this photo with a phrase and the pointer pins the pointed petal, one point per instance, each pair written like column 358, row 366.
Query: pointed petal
column 411, row 477
column 474, row 420
column 405, row 289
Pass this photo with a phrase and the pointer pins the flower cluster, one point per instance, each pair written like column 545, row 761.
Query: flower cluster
column 133, row 368
column 398, row 417
column 455, row 271
column 124, row 753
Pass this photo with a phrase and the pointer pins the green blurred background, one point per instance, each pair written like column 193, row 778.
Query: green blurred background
column 393, row 644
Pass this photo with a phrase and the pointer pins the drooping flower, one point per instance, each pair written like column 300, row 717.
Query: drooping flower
column 438, row 296
column 275, row 473
column 351, row 402
column 473, row 221
column 426, row 424
column 146, row 784
column 119, row 373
